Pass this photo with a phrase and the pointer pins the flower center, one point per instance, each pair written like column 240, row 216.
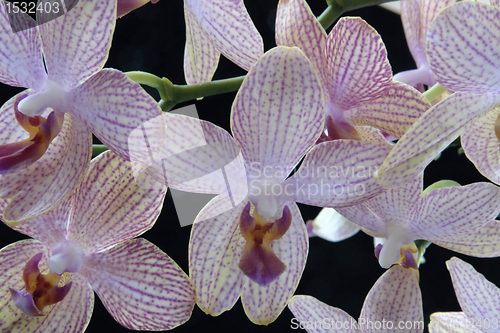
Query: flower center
column 66, row 257
column 52, row 96
column 390, row 253
column 258, row 261
column 40, row 290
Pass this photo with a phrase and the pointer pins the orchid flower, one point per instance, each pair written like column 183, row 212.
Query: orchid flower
column 214, row 27
column 45, row 140
column 460, row 218
column 393, row 302
column 332, row 226
column 86, row 243
column 126, row 6
column 478, row 298
column 417, row 17
column 251, row 240
column 355, row 75
column 463, row 48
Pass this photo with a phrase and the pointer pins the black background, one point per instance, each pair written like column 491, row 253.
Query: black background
column 341, row 274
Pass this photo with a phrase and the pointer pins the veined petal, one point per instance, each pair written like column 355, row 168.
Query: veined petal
column 451, row 322
column 482, row 146
column 10, row 130
column 309, row 309
column 429, row 10
column 365, row 218
column 21, row 63
column 332, row 226
column 393, row 113
column 230, row 28
column 264, row 304
column 76, row 44
column 358, row 68
column 483, row 242
column 51, row 179
column 113, row 106
column 495, row 2
column 110, row 207
column 215, row 249
column 296, row 25
column 451, row 211
column 410, row 16
column 79, row 302
column 278, row 112
column 141, row 286
column 201, row 57
column 463, row 47
column 430, row 134
column 395, row 297
column 478, row 297
column 338, row 173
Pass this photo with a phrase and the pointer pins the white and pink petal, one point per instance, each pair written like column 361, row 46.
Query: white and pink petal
column 332, row 226
column 451, row 322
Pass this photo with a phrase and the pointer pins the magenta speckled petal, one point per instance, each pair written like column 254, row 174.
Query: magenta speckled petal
column 21, row 63
column 230, row 28
column 79, row 302
column 110, row 207
column 393, row 113
column 297, row 26
column 484, row 242
column 264, row 304
column 411, row 18
column 278, row 112
column 215, row 250
column 141, row 286
column 463, row 47
column 76, row 44
column 10, row 130
column 450, row 322
column 495, row 3
column 395, row 297
column 48, row 181
column 309, row 309
column 482, row 146
column 478, row 297
column 430, row 134
column 358, row 69
column 450, row 211
column 112, row 106
column 201, row 57
column 338, row 173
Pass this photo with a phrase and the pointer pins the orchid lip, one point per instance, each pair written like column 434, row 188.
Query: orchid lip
column 66, row 257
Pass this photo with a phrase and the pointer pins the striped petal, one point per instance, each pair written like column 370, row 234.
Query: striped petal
column 451, row 322
column 484, row 242
column 430, row 134
column 113, row 106
column 463, row 47
column 141, row 286
column 451, row 211
column 393, row 113
column 110, row 207
column 230, row 28
column 21, row 63
column 358, row 69
column 201, row 57
column 412, row 24
column 50, row 180
column 478, row 297
column 482, row 146
column 365, row 218
column 215, row 249
column 10, row 130
column 395, row 298
column 264, row 304
column 72, row 314
column 332, row 226
column 76, row 44
column 338, row 173
column 309, row 309
column 296, row 25
column 278, row 112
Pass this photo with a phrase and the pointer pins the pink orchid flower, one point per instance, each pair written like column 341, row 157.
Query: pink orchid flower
column 463, row 48
column 87, row 244
column 354, row 72
column 45, row 141
column 214, row 27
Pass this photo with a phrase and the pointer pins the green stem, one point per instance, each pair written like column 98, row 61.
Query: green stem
column 97, row 149
column 434, row 92
column 330, row 15
column 338, row 7
column 181, row 93
column 150, row 80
